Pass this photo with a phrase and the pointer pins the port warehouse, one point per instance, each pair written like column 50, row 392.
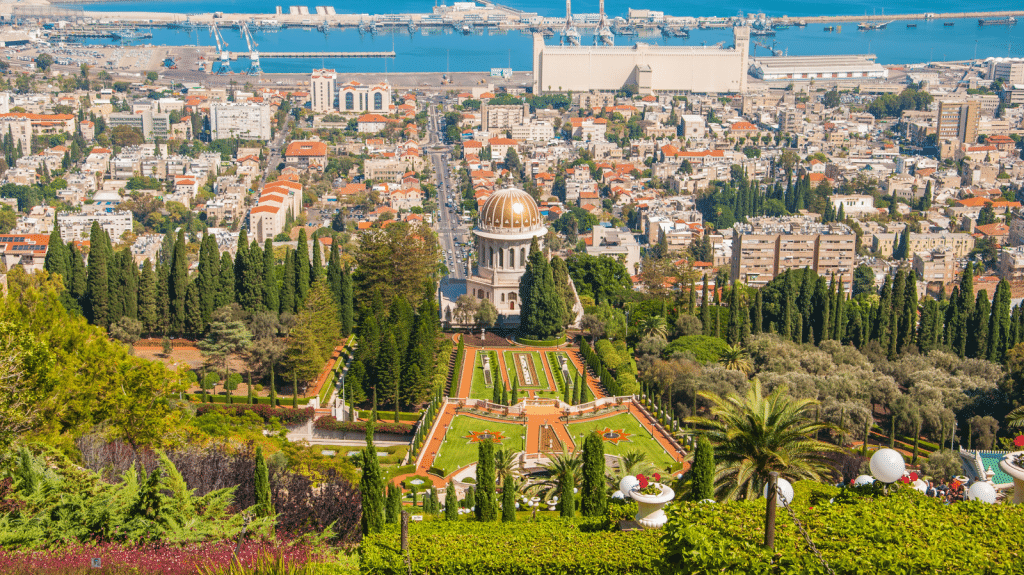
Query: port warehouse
column 790, row 68
column 651, row 69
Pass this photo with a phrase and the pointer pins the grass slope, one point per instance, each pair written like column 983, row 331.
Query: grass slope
column 457, row 451
column 641, row 439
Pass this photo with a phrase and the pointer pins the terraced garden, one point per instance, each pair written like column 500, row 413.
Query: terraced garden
column 635, row 437
column 460, row 447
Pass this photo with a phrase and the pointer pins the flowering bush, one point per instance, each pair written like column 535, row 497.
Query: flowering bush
column 328, row 423
column 148, row 560
column 286, row 416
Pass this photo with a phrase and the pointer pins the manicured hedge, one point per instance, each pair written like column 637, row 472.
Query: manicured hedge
column 328, row 423
column 285, row 401
column 541, row 342
column 704, row 348
column 285, row 416
column 905, row 533
column 548, row 546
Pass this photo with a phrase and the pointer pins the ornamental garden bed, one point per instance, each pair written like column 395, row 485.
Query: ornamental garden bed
column 460, row 446
column 624, row 433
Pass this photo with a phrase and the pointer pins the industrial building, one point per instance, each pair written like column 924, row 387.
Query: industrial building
column 649, row 68
column 795, row 68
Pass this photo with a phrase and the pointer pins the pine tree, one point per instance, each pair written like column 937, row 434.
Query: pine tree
column 567, row 503
column 287, row 297
column 269, row 276
column 389, row 368
column 702, row 484
column 593, row 499
column 264, row 502
column 451, row 503
column 508, row 503
column 98, row 309
column 486, row 502
column 302, row 270
column 371, row 485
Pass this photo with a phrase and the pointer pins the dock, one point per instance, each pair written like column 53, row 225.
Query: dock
column 262, row 54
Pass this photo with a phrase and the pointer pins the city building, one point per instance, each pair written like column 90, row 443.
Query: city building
column 796, row 68
column 152, row 125
column 246, row 121
column 323, row 87
column 938, row 265
column 854, row 205
column 651, row 69
column 306, row 155
column 278, row 202
column 75, row 226
column 1011, row 264
column 356, row 98
column 765, row 247
column 694, row 127
column 25, row 250
column 509, row 220
column 1009, row 70
column 502, row 117
column 958, row 121
column 619, row 243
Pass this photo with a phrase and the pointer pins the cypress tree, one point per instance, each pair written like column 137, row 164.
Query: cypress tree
column 208, row 275
column 147, row 298
column 389, row 368
column 334, row 273
column 225, row 282
column 508, row 503
column 820, row 311
column 758, row 321
column 515, row 391
column 497, row 386
column 252, row 298
column 451, row 503
column 999, row 324
column 393, row 509
column 371, row 486
column 839, row 313
column 882, row 324
column 577, row 393
column 543, row 307
column 178, row 284
column 78, row 281
column 302, row 270
column 471, row 498
column 593, row 499
column 705, row 309
column 287, row 297
column 734, row 327
column 316, row 265
column 486, row 504
column 977, row 344
column 193, row 311
column 269, row 276
column 702, row 485
column 504, row 395
column 273, row 386
column 98, row 309
column 567, row 392
column 264, row 502
column 58, row 258
column 805, row 302
column 346, row 306
column 964, row 311
column 567, row 503
column 129, row 284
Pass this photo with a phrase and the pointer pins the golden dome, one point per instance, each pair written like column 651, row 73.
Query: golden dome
column 510, row 209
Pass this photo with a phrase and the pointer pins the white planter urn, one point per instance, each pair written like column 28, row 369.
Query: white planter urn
column 1009, row 466
column 649, row 507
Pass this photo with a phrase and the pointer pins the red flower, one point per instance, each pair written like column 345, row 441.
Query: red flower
column 913, row 476
column 643, row 481
column 1019, row 441
column 657, row 477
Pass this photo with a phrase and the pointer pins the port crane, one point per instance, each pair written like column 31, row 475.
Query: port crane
column 569, row 31
column 222, row 52
column 254, row 55
column 604, row 33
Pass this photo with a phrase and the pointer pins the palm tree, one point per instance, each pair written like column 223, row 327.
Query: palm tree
column 756, row 435
column 504, row 464
column 655, row 326
column 736, row 359
column 633, row 463
column 1015, row 418
column 558, row 468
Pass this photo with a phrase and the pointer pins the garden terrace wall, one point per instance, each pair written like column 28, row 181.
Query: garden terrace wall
column 327, row 427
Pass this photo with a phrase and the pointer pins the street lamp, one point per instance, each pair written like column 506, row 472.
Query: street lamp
column 887, row 465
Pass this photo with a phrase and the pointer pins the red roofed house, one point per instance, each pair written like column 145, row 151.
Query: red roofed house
column 371, row 123
column 306, row 155
column 500, row 147
column 997, row 231
column 277, row 200
column 740, row 129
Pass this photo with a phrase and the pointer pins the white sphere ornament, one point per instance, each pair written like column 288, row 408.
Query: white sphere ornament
column 982, row 491
column 618, row 495
column 887, row 465
column 783, row 489
column 628, row 483
column 864, row 480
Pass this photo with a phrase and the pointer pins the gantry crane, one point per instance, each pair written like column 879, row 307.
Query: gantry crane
column 569, row 31
column 254, row 55
column 604, row 33
column 222, row 50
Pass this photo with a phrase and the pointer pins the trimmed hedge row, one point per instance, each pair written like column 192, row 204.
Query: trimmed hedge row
column 547, row 546
column 285, row 401
column 287, row 416
column 328, row 423
column 541, row 342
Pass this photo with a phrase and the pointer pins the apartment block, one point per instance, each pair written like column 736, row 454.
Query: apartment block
column 767, row 247
column 151, row 124
column 75, row 226
column 323, row 85
column 503, row 117
column 277, row 202
column 958, row 121
column 938, row 265
column 245, row 121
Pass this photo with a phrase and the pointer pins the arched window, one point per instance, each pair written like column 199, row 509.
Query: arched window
column 511, row 257
column 378, row 101
column 501, row 258
column 512, row 296
column 349, row 101
column 502, row 298
column 491, row 259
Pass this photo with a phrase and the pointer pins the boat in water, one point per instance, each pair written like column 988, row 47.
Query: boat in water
column 1008, row 21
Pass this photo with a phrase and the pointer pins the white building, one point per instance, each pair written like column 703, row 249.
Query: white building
column 356, row 98
column 75, row 226
column 533, row 132
column 790, row 68
column 323, row 85
column 245, row 121
column 854, row 205
column 694, row 127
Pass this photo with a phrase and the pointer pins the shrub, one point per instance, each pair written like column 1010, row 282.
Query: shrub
column 627, row 384
column 541, row 342
column 619, row 510
column 555, row 546
column 233, row 381
column 328, row 423
column 211, row 379
column 266, row 412
column 705, row 349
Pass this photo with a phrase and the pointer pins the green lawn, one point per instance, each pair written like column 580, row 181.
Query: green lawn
column 479, row 390
column 538, row 366
column 641, row 438
column 457, row 451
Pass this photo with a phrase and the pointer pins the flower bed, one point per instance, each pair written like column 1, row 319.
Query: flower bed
column 285, row 416
column 328, row 423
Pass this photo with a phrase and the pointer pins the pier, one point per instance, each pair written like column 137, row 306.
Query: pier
column 320, row 54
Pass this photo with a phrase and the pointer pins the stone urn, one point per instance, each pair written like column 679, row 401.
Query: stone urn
column 649, row 507
column 1013, row 465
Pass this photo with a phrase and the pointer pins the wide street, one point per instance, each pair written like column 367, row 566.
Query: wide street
column 448, row 201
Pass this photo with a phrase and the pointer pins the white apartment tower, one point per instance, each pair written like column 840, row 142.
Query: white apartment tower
column 323, row 85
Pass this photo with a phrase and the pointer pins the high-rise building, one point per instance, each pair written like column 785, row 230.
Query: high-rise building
column 958, row 121
column 323, row 86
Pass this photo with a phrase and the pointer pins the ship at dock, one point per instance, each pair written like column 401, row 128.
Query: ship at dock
column 1008, row 21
